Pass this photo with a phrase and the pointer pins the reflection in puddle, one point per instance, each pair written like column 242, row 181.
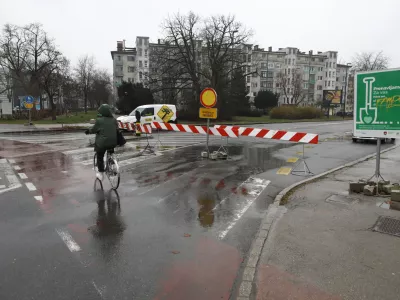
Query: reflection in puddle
column 206, row 204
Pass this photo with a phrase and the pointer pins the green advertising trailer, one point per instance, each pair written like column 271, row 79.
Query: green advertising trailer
column 377, row 104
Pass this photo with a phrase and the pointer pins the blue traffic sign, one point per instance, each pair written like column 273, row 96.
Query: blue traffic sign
column 29, row 99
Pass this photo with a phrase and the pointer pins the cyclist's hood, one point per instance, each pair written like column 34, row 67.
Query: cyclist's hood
column 105, row 110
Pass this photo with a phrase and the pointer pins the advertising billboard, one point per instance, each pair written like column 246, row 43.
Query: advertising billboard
column 333, row 96
column 377, row 104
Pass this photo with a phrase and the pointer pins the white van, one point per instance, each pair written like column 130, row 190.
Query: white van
column 163, row 113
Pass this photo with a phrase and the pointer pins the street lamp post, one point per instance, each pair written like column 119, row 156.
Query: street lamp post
column 345, row 90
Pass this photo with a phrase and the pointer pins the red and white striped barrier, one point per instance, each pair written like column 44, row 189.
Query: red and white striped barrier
column 298, row 137
column 228, row 132
column 144, row 128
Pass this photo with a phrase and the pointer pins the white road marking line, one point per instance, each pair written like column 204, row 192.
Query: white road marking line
column 246, row 207
column 39, row 198
column 17, row 168
column 68, row 240
column 12, row 179
column 13, row 187
column 166, row 197
column 2, row 186
column 22, row 175
column 30, row 186
column 11, row 161
column 99, row 291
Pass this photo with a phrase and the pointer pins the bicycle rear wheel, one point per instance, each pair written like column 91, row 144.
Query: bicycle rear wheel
column 113, row 173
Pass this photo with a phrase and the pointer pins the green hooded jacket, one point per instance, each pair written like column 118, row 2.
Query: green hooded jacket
column 105, row 129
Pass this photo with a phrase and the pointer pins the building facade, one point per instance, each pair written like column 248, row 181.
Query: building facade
column 298, row 77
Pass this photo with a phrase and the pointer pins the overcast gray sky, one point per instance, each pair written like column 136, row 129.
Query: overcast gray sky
column 93, row 27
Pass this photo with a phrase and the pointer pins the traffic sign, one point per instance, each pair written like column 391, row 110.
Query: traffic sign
column 28, row 103
column 165, row 113
column 208, row 113
column 377, row 104
column 208, row 98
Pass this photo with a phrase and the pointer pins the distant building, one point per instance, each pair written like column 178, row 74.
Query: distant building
column 287, row 71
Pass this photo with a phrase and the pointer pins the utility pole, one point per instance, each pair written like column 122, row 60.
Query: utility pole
column 309, row 75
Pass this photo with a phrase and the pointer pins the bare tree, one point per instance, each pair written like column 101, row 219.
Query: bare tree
column 52, row 80
column 291, row 86
column 226, row 49
column 84, row 76
column 26, row 52
column 368, row 61
column 101, row 87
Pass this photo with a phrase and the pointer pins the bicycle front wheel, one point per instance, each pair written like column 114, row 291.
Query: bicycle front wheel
column 95, row 162
column 113, row 173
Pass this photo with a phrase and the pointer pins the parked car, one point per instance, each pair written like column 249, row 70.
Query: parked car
column 152, row 112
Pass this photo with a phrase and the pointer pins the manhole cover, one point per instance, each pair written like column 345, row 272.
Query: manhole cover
column 388, row 225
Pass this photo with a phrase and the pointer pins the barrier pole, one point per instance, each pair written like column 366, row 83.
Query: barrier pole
column 208, row 127
column 302, row 162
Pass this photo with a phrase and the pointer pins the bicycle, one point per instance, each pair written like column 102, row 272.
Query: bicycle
column 111, row 168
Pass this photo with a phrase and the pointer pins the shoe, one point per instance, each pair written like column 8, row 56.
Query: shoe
column 100, row 175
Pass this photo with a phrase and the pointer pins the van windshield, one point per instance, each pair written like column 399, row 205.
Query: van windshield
column 140, row 109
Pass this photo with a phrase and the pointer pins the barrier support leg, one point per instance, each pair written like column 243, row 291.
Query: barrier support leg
column 303, row 170
column 148, row 147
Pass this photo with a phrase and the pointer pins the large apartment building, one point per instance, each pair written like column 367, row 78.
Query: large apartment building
column 299, row 77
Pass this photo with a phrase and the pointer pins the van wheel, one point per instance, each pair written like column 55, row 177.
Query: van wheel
column 354, row 140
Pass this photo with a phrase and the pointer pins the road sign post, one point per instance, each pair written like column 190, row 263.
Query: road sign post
column 28, row 103
column 377, row 107
column 208, row 99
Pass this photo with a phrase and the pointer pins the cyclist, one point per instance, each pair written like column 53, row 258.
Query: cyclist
column 105, row 129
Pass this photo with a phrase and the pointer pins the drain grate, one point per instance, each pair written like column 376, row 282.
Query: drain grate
column 387, row 225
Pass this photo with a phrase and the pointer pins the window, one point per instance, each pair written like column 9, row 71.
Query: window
column 312, row 69
column 325, row 84
column 248, row 69
column 248, row 79
column 147, row 112
column 130, row 79
column 263, row 74
column 249, row 58
column 305, row 69
column 264, row 55
column 131, row 69
column 119, row 57
column 313, row 59
column 140, row 51
column 319, row 87
column 326, row 65
column 140, row 64
column 330, row 74
column 146, row 74
column 319, row 77
column 330, row 65
column 145, row 63
column 285, row 72
column 337, row 78
column 120, row 68
column 334, row 65
column 271, row 65
column 263, row 84
column 320, row 69
column 278, row 66
column 305, row 85
column 285, row 61
column 329, row 83
column 254, row 84
column 131, row 58
column 264, row 65
column 288, row 71
column 269, row 84
column 145, row 53
column 270, row 74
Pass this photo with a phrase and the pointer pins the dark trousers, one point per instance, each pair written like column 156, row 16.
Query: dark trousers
column 100, row 158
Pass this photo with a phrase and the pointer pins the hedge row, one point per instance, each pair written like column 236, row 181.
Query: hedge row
column 295, row 112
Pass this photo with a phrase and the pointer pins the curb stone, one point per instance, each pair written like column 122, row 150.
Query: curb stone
column 247, row 283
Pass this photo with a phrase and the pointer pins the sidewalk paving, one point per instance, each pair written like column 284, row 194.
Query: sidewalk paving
column 321, row 245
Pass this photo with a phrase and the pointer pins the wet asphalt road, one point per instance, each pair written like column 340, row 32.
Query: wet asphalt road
column 178, row 228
